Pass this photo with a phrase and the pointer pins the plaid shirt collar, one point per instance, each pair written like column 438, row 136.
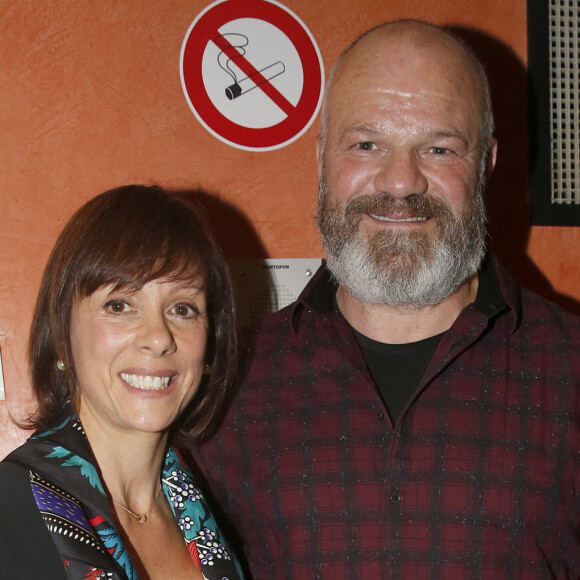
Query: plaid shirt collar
column 496, row 293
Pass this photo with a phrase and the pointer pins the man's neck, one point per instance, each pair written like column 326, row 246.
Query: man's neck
column 400, row 325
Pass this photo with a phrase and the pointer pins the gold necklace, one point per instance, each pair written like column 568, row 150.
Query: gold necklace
column 140, row 518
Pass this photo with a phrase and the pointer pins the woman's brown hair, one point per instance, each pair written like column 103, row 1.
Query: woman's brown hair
column 127, row 237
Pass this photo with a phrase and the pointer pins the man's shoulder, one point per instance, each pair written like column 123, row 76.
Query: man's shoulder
column 537, row 309
column 275, row 319
column 550, row 330
column 267, row 331
column 315, row 298
column 532, row 309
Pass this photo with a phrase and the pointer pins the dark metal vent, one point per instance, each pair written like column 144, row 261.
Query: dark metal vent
column 554, row 64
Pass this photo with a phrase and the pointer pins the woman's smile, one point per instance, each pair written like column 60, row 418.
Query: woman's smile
column 147, row 382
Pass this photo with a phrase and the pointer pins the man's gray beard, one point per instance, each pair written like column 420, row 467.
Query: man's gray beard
column 400, row 267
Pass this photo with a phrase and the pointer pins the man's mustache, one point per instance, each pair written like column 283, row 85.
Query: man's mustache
column 415, row 205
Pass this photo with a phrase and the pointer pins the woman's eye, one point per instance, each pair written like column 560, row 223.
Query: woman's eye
column 184, row 310
column 116, row 306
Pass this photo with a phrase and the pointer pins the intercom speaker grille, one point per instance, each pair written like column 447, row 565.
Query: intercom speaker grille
column 270, row 298
column 263, row 286
column 565, row 100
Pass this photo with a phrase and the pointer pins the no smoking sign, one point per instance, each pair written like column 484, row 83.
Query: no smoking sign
column 252, row 73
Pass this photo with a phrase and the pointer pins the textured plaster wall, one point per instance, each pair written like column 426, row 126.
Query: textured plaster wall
column 91, row 99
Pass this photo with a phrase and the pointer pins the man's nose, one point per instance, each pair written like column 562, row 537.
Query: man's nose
column 154, row 336
column 400, row 174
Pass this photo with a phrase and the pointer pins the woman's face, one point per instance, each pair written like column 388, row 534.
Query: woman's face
column 138, row 355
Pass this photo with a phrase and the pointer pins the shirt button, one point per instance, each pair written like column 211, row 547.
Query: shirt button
column 395, row 498
column 380, row 416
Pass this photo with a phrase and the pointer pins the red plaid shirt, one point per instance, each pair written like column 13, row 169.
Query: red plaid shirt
column 480, row 477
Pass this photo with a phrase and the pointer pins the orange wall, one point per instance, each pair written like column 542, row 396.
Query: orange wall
column 91, row 99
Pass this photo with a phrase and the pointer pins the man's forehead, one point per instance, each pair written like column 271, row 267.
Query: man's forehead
column 405, row 50
column 404, row 75
column 374, row 97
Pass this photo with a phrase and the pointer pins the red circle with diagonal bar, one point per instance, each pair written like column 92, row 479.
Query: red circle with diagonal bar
column 205, row 29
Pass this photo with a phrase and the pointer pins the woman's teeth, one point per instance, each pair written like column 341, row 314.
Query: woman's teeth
column 146, row 382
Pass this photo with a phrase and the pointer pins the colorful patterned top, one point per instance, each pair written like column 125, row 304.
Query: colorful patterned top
column 71, row 500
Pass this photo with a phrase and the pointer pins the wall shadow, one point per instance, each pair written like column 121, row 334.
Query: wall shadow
column 233, row 231
column 507, row 197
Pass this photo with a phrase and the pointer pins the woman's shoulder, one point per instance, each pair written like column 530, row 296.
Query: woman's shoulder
column 26, row 548
column 14, row 483
column 17, row 504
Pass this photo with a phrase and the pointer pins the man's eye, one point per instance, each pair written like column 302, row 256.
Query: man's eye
column 366, row 146
column 440, row 150
column 116, row 306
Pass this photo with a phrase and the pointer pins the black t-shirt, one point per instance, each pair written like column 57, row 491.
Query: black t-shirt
column 397, row 369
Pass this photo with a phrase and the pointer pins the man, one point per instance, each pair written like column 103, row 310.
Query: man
column 413, row 414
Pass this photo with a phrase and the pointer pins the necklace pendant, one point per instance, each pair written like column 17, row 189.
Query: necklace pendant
column 139, row 518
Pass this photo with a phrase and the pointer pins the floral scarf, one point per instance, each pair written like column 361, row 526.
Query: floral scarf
column 72, row 502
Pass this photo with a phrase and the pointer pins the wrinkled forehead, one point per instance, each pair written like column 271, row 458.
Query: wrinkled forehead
column 405, row 64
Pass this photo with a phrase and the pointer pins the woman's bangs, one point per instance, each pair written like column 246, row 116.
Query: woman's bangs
column 133, row 262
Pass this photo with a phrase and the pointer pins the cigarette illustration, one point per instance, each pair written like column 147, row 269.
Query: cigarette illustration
column 245, row 85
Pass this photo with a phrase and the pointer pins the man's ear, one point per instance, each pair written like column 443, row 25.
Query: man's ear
column 492, row 156
column 319, row 151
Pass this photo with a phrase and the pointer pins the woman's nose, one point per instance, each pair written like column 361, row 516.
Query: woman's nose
column 155, row 336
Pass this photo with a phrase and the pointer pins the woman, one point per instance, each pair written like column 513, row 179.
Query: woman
column 134, row 323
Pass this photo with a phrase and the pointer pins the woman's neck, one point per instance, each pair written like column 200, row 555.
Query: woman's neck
column 130, row 462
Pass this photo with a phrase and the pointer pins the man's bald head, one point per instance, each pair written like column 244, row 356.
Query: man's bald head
column 432, row 42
